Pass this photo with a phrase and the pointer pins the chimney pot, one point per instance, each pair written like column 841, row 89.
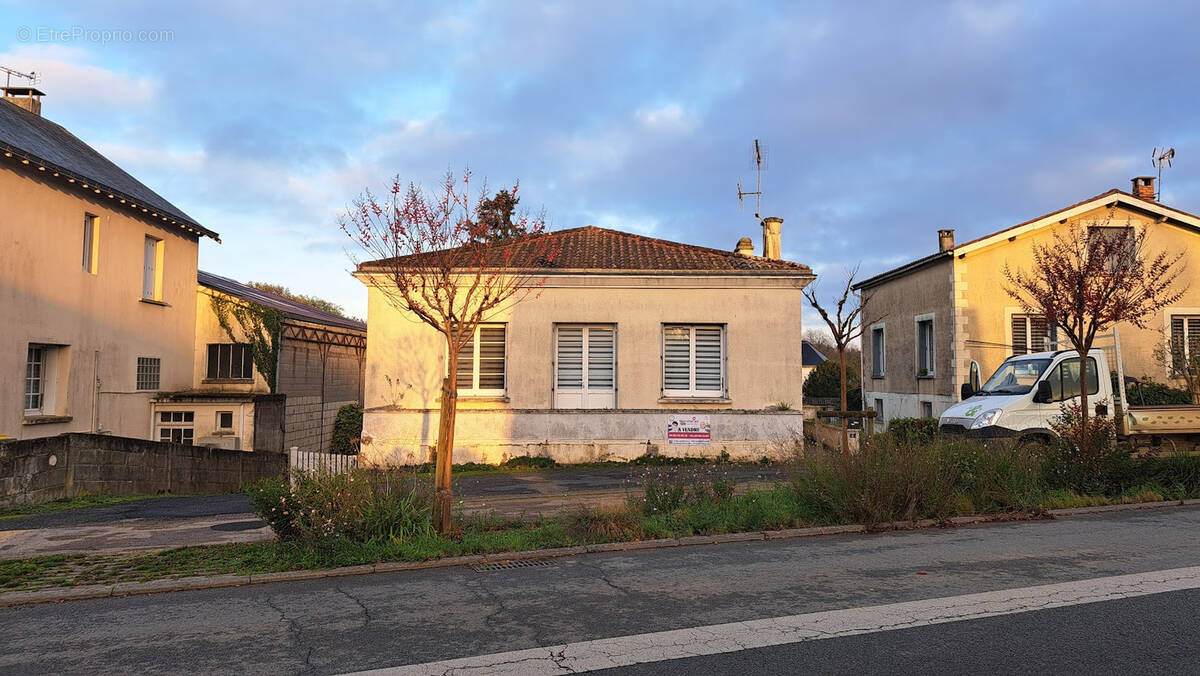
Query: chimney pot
column 1143, row 187
column 771, row 237
column 745, row 247
column 28, row 98
column 945, row 240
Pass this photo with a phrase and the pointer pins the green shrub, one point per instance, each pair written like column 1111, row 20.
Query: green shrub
column 1147, row 392
column 347, row 430
column 529, row 461
column 913, row 430
column 362, row 505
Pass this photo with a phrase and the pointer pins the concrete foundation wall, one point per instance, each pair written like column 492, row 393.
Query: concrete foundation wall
column 492, row 436
column 40, row 470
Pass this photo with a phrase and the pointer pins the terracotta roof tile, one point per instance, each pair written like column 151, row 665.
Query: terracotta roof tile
column 602, row 250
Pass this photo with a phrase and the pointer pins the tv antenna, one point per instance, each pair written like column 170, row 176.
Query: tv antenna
column 1161, row 157
column 758, row 160
column 33, row 77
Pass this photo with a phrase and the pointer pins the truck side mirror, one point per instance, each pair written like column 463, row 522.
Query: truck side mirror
column 966, row 392
column 1044, row 393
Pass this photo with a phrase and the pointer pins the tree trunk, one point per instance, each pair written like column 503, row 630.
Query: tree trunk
column 444, row 497
column 1084, row 440
column 845, row 421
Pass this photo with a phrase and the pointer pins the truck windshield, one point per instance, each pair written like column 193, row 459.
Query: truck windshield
column 1015, row 376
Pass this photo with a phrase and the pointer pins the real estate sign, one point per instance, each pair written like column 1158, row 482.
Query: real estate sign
column 689, row 430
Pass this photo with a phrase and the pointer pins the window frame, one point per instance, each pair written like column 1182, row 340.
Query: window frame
column 152, row 270
column 1051, row 336
column 90, row 258
column 156, row 372
column 43, row 367
column 693, row 392
column 223, row 428
column 586, row 389
column 1184, row 315
column 475, row 390
column 918, row 320
column 185, row 425
column 213, row 373
column 879, row 366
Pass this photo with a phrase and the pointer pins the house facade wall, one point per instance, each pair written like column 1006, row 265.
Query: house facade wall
column 988, row 308
column 982, row 310
column 99, row 319
column 896, row 306
column 406, row 363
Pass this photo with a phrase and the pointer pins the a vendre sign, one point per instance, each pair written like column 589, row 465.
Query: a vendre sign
column 689, row 430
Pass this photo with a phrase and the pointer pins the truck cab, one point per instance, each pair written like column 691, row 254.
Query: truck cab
column 1026, row 393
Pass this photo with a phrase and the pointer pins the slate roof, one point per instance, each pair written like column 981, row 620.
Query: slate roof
column 603, row 251
column 811, row 356
column 27, row 136
column 292, row 309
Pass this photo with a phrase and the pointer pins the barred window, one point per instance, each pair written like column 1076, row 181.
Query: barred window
column 148, row 369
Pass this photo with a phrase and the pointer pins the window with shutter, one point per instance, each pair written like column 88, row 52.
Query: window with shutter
column 694, row 361
column 481, row 362
column 585, row 366
column 1031, row 333
column 1185, row 341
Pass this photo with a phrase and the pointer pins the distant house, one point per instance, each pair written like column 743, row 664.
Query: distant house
column 633, row 345
column 319, row 370
column 810, row 359
column 97, row 285
column 945, row 319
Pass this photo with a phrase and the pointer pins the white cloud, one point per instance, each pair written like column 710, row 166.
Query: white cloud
column 72, row 83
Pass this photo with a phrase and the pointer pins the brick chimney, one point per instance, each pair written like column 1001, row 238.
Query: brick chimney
column 771, row 235
column 1143, row 187
column 945, row 240
column 745, row 247
column 27, row 97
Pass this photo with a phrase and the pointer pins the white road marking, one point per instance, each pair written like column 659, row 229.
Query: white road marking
column 735, row 636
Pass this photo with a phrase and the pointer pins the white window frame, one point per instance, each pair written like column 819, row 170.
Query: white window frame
column 91, row 244
column 1168, row 316
column 693, row 392
column 224, row 428
column 917, row 321
column 881, row 372
column 475, row 390
column 36, row 355
column 177, row 420
column 152, row 269
column 1012, row 313
column 587, row 393
column 54, row 360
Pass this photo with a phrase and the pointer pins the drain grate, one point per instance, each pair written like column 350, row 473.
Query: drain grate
column 510, row 565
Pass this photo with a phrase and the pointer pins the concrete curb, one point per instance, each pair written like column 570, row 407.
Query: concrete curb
column 56, row 594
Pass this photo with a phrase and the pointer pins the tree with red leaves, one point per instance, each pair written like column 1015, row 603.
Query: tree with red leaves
column 1088, row 278
column 439, row 257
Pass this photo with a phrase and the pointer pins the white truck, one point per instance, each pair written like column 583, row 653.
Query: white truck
column 1027, row 392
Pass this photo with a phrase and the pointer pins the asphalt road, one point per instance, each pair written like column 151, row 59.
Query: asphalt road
column 353, row 623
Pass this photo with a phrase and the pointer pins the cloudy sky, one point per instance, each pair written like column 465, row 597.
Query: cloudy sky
column 883, row 121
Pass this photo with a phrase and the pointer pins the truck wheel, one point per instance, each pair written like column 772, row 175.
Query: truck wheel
column 1032, row 441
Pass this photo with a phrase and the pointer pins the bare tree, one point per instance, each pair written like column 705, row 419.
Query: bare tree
column 845, row 326
column 436, row 257
column 1090, row 277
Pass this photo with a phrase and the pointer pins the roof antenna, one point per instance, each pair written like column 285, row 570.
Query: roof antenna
column 33, row 77
column 758, row 160
column 1159, row 158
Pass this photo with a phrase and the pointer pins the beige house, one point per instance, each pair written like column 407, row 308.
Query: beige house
column 945, row 319
column 97, row 284
column 319, row 366
column 633, row 345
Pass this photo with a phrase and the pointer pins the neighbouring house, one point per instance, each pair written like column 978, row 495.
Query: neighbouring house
column 318, row 368
column 810, row 359
column 97, row 285
column 682, row 344
column 945, row 319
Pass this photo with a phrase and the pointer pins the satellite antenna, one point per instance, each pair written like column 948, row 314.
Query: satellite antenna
column 33, row 77
column 1161, row 157
column 758, row 158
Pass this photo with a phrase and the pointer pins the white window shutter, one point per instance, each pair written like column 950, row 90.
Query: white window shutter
column 708, row 359
column 600, row 361
column 677, row 358
column 570, row 358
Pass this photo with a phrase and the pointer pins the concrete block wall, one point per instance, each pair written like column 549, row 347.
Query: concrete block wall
column 308, row 424
column 40, row 470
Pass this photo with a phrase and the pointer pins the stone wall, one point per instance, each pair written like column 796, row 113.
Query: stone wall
column 308, row 424
column 35, row 471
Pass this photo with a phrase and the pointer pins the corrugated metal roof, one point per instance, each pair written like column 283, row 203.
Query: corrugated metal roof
column 33, row 137
column 290, row 308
